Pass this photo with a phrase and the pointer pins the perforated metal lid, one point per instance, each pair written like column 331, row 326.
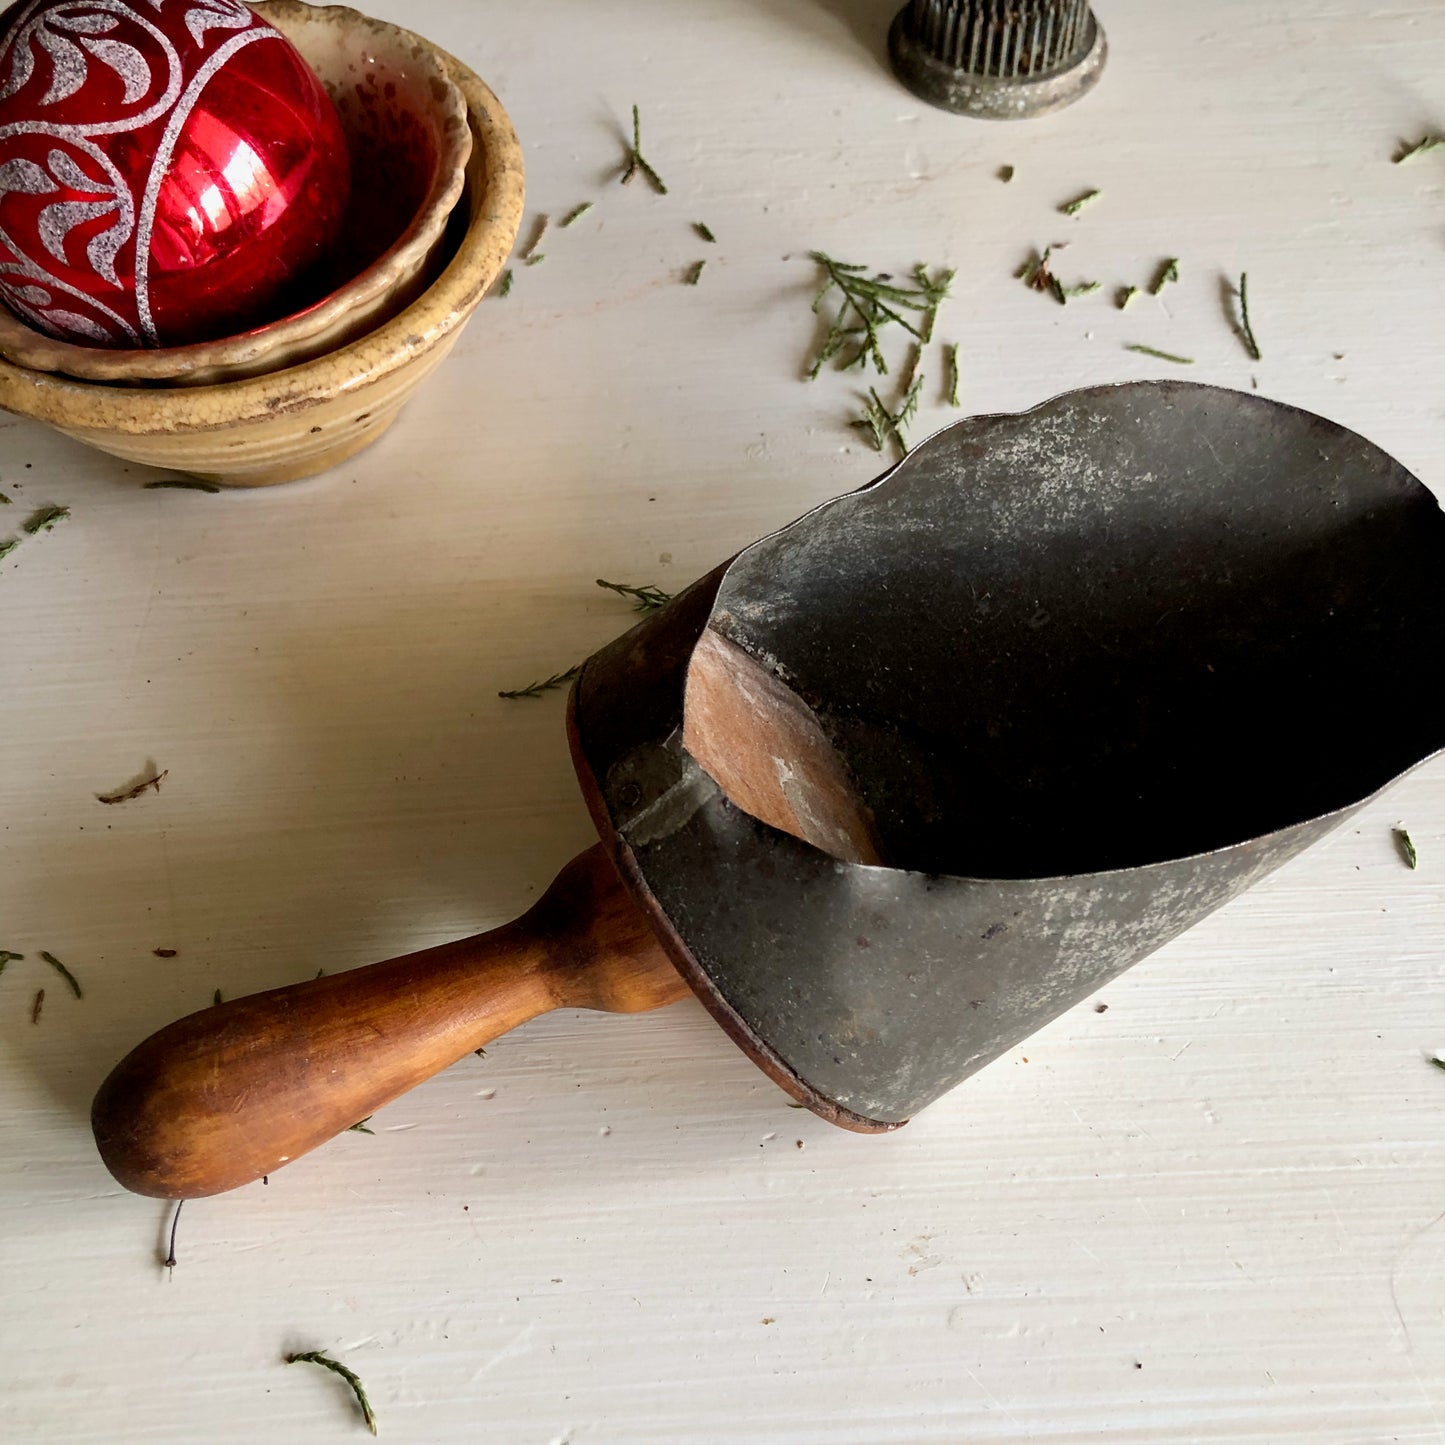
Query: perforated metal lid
column 998, row 59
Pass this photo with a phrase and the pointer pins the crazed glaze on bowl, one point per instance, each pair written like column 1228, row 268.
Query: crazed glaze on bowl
column 405, row 122
column 289, row 424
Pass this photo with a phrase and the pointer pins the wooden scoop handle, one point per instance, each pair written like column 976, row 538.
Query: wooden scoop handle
column 234, row 1092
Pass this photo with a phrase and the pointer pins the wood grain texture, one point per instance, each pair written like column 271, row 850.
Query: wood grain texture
column 232, row 1094
column 1233, row 1177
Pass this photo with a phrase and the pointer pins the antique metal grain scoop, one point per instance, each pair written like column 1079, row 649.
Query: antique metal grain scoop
column 910, row 777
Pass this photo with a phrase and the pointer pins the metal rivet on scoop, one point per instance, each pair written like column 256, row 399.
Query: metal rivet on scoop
column 998, row 59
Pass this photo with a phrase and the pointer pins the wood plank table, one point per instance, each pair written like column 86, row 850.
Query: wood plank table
column 1211, row 1213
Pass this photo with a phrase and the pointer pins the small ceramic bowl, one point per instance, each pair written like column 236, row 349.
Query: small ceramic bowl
column 405, row 122
column 294, row 423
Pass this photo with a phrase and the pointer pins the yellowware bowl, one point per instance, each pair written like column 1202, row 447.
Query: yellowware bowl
column 294, row 423
column 400, row 111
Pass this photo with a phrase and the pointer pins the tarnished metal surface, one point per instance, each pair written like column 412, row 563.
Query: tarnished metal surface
column 1093, row 670
column 998, row 59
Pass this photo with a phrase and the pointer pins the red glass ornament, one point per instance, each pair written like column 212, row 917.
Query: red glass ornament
column 170, row 170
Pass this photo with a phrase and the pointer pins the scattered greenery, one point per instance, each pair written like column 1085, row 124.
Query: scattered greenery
column 64, row 972
column 880, row 425
column 694, row 273
column 644, row 599
column 1421, row 147
column 181, row 484
column 1080, row 203
column 1037, row 274
column 1246, row 330
column 360, row 1128
column 705, row 231
column 953, row 376
column 575, row 214
column 37, row 1006
column 539, row 230
column 550, row 684
column 637, row 162
column 133, row 790
column 869, row 304
column 1162, row 355
column 1167, row 275
column 1126, row 297
column 508, row 280
column 315, row 1357
column 44, row 519
column 1406, row 845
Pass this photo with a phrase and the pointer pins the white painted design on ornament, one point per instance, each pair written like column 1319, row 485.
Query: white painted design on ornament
column 161, row 164
column 83, row 325
column 71, row 36
column 18, row 41
column 216, row 14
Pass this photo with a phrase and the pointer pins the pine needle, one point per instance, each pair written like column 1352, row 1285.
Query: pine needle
column 869, row 304
column 1168, row 275
column 1246, row 330
column 134, row 790
column 315, row 1357
column 953, row 376
column 550, row 684
column 644, row 599
column 880, row 425
column 705, row 231
column 1080, row 203
column 44, row 520
column 574, row 215
column 1406, row 845
column 1161, row 355
column 539, row 230
column 636, row 161
column 1421, row 147
column 694, row 273
column 64, row 972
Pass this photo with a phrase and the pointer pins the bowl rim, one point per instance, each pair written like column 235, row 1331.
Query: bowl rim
column 37, row 351
column 80, row 406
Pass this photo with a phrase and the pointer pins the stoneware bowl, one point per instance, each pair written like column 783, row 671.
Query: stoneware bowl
column 406, row 128
column 294, row 423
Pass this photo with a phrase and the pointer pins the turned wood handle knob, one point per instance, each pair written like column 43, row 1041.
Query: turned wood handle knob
column 220, row 1098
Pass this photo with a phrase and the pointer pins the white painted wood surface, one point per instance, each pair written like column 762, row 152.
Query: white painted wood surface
column 1212, row 1213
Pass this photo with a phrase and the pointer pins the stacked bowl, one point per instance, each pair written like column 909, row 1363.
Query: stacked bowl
column 437, row 200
